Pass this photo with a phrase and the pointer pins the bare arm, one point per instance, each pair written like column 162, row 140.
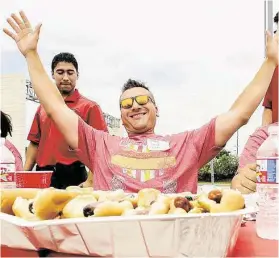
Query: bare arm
column 31, row 156
column 267, row 117
column 245, row 105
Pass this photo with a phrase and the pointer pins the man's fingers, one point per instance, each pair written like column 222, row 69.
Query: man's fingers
column 10, row 34
column 38, row 29
column 251, row 175
column 25, row 19
column 251, row 185
column 244, row 190
column 13, row 25
column 18, row 21
column 252, row 166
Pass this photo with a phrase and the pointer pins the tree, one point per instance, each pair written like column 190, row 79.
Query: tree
column 225, row 165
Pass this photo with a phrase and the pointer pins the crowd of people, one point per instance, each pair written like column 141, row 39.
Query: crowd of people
column 69, row 132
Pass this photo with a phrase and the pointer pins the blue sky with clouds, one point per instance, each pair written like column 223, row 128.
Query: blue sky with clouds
column 196, row 56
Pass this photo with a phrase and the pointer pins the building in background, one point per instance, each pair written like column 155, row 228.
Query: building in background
column 12, row 102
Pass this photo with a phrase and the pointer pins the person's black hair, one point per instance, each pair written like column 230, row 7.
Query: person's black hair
column 276, row 18
column 6, row 125
column 64, row 57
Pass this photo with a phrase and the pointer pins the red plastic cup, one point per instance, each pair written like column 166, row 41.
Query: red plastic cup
column 33, row 179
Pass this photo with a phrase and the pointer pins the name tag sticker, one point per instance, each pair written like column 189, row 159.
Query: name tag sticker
column 156, row 145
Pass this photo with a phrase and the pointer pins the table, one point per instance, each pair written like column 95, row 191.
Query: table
column 248, row 245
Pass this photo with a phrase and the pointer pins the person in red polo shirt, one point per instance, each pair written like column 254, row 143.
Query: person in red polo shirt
column 270, row 103
column 47, row 146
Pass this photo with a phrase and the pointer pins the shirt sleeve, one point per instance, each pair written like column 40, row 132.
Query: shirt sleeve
column 204, row 142
column 35, row 130
column 251, row 147
column 87, row 143
column 267, row 103
column 96, row 118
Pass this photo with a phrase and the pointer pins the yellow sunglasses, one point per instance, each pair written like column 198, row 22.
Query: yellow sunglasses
column 141, row 100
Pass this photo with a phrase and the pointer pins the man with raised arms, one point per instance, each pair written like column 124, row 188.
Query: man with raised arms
column 143, row 159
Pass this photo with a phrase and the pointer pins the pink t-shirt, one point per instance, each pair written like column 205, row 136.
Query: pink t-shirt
column 249, row 153
column 168, row 163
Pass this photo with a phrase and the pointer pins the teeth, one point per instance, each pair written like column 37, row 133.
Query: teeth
column 137, row 115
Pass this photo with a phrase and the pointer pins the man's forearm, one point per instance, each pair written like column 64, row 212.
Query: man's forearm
column 252, row 96
column 267, row 117
column 245, row 105
column 45, row 90
column 31, row 156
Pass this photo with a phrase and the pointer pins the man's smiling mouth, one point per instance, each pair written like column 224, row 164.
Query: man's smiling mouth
column 138, row 115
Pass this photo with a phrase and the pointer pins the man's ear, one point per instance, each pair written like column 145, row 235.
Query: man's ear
column 77, row 75
column 52, row 74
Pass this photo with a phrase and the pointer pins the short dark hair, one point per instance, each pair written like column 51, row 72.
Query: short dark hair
column 133, row 84
column 276, row 18
column 6, row 125
column 64, row 57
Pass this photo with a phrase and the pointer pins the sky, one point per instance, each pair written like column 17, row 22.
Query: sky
column 196, row 56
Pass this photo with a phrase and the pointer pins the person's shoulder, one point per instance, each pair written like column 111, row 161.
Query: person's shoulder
column 86, row 101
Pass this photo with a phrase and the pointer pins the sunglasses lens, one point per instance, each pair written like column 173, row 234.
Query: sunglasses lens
column 127, row 103
column 142, row 100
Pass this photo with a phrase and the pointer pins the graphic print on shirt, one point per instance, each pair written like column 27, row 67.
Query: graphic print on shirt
column 137, row 161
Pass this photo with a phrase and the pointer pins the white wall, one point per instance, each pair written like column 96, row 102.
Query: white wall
column 12, row 102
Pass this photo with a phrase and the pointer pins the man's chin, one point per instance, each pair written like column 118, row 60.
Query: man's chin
column 66, row 92
column 139, row 130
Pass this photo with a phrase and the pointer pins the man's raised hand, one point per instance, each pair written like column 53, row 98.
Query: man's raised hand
column 22, row 33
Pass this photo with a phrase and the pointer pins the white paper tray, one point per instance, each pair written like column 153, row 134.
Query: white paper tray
column 194, row 235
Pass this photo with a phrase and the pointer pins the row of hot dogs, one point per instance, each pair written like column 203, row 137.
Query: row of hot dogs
column 76, row 202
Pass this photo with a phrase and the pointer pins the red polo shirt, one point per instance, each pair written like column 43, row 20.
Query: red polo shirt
column 52, row 146
column 271, row 97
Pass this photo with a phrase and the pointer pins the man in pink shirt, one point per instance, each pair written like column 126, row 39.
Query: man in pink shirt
column 245, row 178
column 143, row 159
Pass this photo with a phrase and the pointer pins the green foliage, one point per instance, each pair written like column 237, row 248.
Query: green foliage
column 225, row 165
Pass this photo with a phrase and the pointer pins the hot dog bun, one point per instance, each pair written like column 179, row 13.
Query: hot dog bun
column 21, row 208
column 48, row 203
column 75, row 207
column 147, row 196
column 112, row 208
column 8, row 196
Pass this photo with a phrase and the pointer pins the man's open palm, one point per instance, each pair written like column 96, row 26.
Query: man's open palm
column 25, row 37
